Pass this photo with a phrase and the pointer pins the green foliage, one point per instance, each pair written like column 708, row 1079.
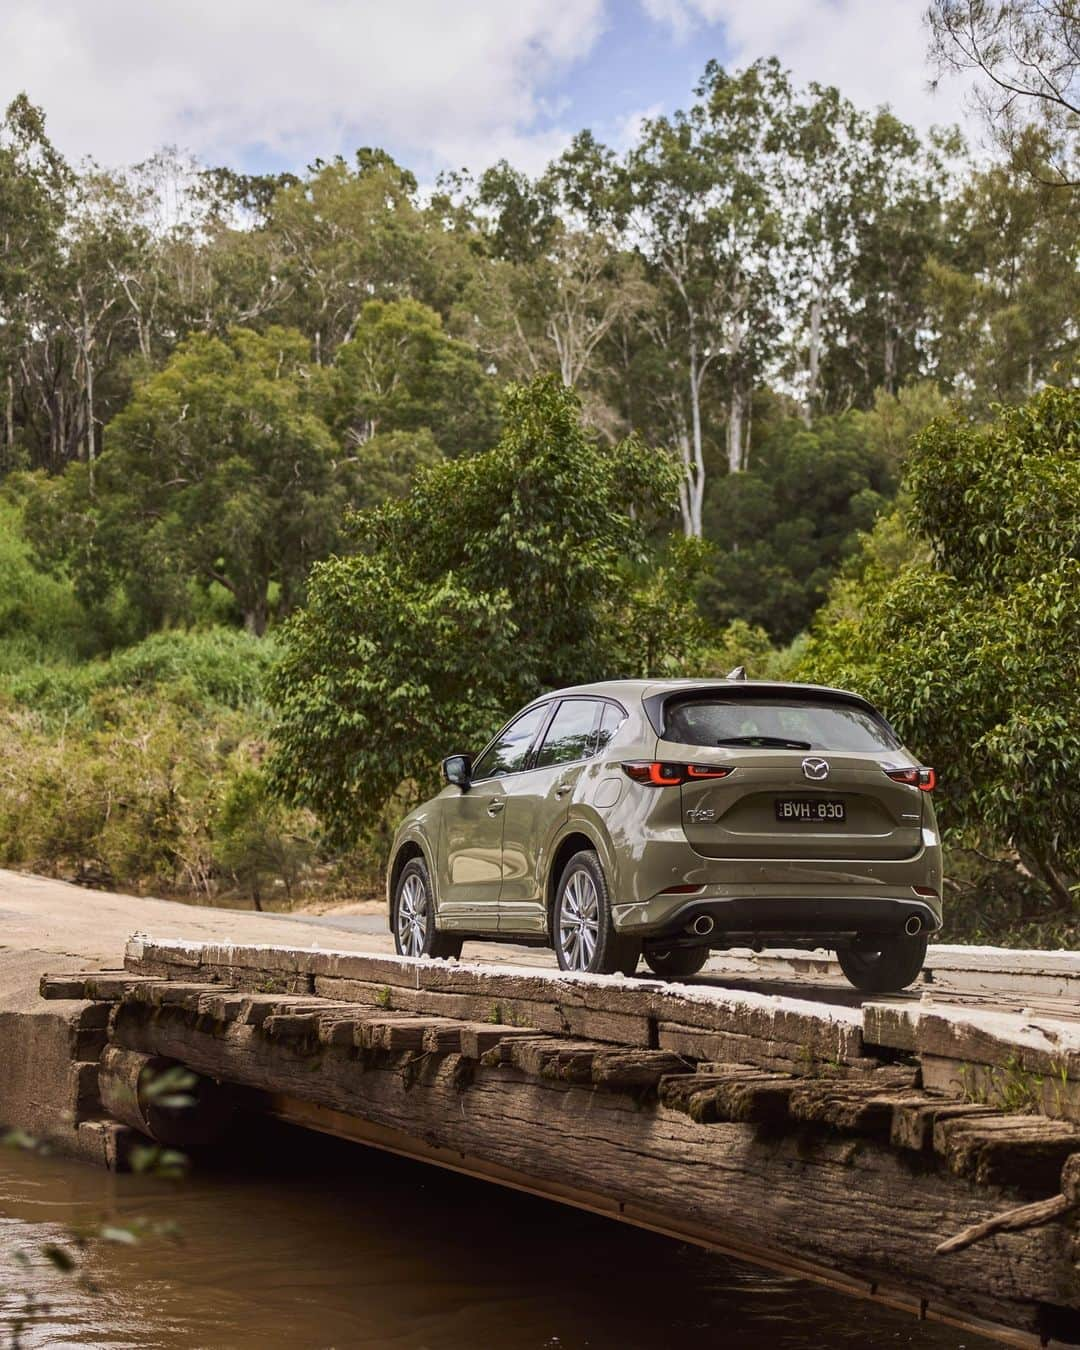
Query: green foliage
column 203, row 670
column 142, row 770
column 40, row 617
column 258, row 838
column 387, row 464
column 975, row 652
column 401, row 372
column 499, row 575
column 784, row 526
column 219, row 470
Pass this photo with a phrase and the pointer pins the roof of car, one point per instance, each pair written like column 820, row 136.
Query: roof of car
column 644, row 688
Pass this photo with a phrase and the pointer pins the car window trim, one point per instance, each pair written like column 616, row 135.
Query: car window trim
column 532, row 743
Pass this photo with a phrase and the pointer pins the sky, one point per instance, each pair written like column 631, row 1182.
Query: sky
column 266, row 85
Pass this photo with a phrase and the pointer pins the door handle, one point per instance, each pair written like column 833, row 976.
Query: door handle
column 563, row 789
column 496, row 806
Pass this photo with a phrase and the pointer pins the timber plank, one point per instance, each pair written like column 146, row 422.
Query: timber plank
column 675, row 1089
column 914, row 1122
column 602, row 1008
column 565, row 1060
column 1027, row 1152
column 479, row 1038
column 634, row 1070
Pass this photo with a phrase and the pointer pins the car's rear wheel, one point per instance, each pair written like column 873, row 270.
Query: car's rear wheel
column 676, row 961
column 584, row 934
column 891, row 965
column 413, row 916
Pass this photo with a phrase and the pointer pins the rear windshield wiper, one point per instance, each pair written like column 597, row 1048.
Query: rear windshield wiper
column 766, row 742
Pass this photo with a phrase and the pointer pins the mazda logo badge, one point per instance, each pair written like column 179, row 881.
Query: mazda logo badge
column 817, row 769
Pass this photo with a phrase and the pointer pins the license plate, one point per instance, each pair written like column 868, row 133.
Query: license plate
column 809, row 810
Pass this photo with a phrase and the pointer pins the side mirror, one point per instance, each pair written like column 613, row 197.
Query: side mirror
column 457, row 769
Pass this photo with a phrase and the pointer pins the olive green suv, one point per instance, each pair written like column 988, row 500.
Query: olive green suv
column 667, row 818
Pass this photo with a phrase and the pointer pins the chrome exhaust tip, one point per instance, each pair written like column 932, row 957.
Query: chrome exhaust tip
column 913, row 926
column 703, row 925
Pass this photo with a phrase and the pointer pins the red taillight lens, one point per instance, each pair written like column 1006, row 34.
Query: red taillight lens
column 924, row 779
column 661, row 774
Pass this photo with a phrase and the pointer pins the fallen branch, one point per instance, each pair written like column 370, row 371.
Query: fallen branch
column 1027, row 1216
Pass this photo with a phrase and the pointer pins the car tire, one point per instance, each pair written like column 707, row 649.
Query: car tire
column 583, row 931
column 676, row 962
column 892, row 966
column 413, row 916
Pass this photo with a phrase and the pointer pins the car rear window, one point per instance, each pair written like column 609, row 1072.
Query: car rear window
column 765, row 723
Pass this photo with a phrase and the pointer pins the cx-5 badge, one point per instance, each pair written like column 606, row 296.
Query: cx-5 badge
column 816, row 769
column 701, row 814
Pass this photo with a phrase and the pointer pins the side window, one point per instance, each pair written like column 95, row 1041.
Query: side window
column 611, row 720
column 506, row 754
column 571, row 732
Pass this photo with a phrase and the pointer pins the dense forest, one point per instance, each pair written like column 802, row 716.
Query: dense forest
column 282, row 456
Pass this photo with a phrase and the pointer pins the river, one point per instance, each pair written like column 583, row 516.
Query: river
column 306, row 1243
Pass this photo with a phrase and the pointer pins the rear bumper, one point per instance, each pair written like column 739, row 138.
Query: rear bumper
column 744, row 919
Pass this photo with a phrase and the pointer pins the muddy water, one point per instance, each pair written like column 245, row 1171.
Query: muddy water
column 307, row 1244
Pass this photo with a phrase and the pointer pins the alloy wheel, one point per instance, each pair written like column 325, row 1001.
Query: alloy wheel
column 412, row 915
column 579, row 920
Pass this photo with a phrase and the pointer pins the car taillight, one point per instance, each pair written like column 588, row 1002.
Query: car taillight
column 660, row 773
column 924, row 779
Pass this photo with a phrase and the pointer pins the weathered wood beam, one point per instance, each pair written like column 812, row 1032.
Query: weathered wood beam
column 649, row 1158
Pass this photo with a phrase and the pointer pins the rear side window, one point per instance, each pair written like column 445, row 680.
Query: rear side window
column 571, row 732
column 798, row 724
column 611, row 720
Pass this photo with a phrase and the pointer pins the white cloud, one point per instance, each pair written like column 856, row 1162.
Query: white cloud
column 451, row 83
column 874, row 51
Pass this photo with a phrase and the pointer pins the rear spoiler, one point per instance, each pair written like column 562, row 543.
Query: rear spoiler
column 656, row 705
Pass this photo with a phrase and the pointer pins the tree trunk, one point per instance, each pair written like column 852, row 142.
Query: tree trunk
column 814, row 359
column 256, row 616
column 1046, row 870
column 890, row 360
column 738, row 428
column 90, row 456
column 9, row 428
column 695, row 456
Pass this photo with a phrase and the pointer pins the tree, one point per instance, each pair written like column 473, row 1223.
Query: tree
column 1004, row 294
column 970, row 643
column 783, row 528
column 347, row 234
column 400, row 371
column 34, row 181
column 698, row 200
column 1025, row 56
column 498, row 576
column 218, row 471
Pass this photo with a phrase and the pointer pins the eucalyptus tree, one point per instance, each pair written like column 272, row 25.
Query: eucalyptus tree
column 897, row 194
column 1005, row 292
column 1024, row 56
column 700, row 207
column 347, row 234
column 401, row 371
column 558, row 281
column 34, row 183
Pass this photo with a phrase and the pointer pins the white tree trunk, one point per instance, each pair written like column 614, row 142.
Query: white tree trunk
column 738, row 428
column 814, row 359
column 694, row 456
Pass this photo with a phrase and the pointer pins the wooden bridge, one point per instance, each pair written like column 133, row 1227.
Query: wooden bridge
column 921, row 1151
